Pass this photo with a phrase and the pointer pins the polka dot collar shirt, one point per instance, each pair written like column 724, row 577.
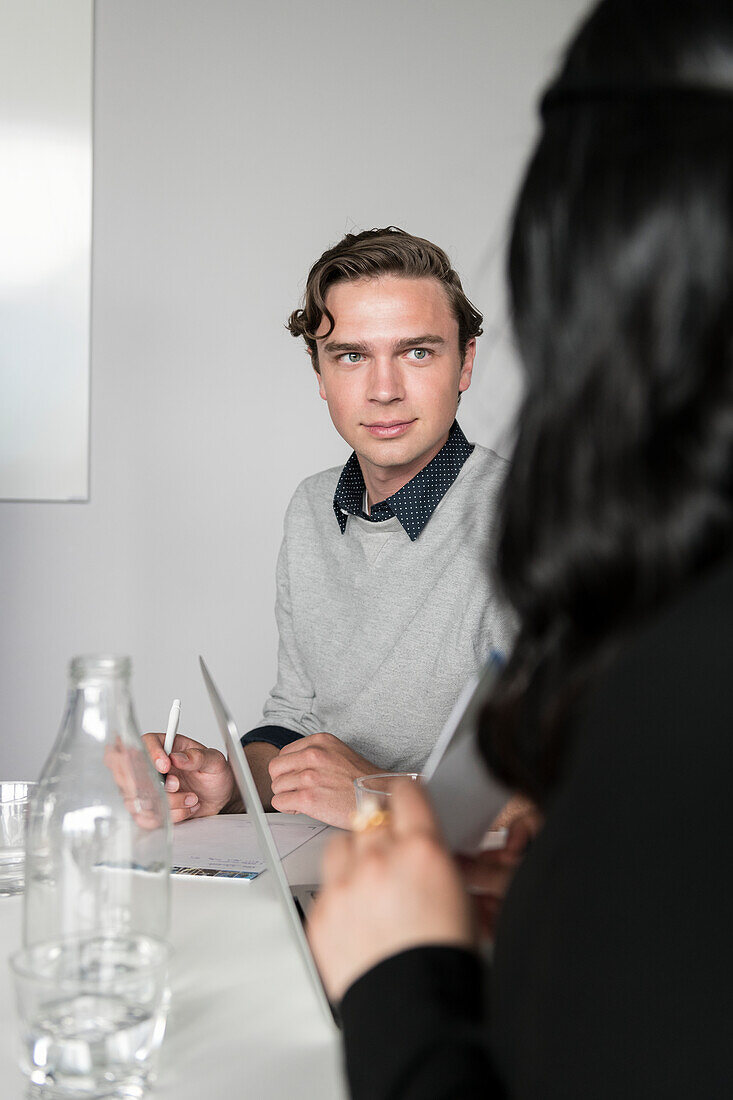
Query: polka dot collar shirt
column 415, row 502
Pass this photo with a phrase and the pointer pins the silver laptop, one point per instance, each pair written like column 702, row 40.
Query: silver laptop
column 465, row 795
column 294, row 907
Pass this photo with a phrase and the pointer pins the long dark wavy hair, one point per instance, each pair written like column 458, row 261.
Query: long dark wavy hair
column 620, row 490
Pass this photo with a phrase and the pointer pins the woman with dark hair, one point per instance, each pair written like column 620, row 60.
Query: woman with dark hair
column 613, row 967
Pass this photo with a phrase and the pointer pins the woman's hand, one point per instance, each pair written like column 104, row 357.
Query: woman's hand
column 384, row 890
column 488, row 875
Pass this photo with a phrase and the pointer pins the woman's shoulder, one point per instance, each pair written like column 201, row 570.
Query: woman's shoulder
column 678, row 668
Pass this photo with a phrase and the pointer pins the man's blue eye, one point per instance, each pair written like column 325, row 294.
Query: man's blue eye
column 353, row 356
column 420, row 353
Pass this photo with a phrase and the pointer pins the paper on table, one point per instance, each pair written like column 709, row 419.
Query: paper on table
column 226, row 845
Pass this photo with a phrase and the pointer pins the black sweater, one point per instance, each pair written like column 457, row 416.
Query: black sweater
column 613, row 970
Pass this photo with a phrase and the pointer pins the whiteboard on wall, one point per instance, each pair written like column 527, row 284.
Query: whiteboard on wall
column 46, row 51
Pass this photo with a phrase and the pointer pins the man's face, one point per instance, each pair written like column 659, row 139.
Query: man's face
column 391, row 372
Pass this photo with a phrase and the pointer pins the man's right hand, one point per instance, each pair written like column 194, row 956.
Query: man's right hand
column 198, row 780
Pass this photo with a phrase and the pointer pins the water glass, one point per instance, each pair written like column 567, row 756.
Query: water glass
column 92, row 1015
column 373, row 793
column 14, row 799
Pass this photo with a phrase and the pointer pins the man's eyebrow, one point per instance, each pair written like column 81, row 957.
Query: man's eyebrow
column 420, row 341
column 335, row 348
column 332, row 346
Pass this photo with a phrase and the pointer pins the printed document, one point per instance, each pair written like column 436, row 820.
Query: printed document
column 225, row 846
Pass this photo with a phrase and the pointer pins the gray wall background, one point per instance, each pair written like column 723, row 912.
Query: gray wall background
column 234, row 141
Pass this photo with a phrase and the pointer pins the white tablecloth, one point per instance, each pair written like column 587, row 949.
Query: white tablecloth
column 244, row 1022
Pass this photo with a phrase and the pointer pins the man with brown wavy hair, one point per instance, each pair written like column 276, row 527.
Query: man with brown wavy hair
column 373, row 254
column 383, row 605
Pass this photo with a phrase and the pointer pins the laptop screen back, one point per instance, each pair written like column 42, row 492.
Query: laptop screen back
column 253, row 804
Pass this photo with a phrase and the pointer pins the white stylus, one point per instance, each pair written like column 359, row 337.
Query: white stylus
column 172, row 727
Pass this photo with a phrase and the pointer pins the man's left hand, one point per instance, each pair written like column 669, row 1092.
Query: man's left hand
column 315, row 776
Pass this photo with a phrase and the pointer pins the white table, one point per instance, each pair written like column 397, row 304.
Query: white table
column 244, row 1022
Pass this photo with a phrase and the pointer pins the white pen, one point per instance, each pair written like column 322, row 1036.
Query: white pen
column 172, row 727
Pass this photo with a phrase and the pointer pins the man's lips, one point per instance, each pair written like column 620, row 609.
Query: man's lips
column 388, row 429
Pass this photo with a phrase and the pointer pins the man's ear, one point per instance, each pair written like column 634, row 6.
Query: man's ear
column 467, row 367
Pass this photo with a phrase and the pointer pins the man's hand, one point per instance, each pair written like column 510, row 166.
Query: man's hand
column 384, row 890
column 129, row 770
column 315, row 775
column 199, row 781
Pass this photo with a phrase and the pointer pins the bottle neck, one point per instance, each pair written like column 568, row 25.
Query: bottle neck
column 100, row 668
column 100, row 703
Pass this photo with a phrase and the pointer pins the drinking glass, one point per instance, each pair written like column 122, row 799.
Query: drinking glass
column 373, row 793
column 14, row 798
column 92, row 1015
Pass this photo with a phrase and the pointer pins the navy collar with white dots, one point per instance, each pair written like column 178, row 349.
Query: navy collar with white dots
column 416, row 501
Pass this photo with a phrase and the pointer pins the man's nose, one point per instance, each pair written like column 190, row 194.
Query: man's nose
column 385, row 381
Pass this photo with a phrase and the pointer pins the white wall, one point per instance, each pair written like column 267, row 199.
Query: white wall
column 234, row 141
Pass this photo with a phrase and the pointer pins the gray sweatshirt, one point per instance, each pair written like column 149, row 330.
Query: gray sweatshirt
column 379, row 634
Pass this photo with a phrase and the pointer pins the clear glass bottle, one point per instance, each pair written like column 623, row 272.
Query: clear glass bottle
column 98, row 847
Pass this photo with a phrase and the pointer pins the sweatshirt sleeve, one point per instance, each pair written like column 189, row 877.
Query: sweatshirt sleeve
column 288, row 710
column 414, row 1029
